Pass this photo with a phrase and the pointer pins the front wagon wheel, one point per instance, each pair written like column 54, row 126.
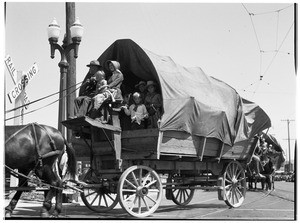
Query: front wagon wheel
column 98, row 195
column 234, row 184
column 140, row 191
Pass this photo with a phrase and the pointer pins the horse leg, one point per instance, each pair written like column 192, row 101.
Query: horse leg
column 58, row 204
column 47, row 203
column 13, row 203
column 55, row 181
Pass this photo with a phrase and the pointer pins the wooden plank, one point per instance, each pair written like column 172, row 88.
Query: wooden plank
column 87, row 121
column 221, row 152
column 117, row 139
column 141, row 133
column 201, row 150
column 159, row 141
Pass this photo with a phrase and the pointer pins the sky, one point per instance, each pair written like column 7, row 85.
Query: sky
column 249, row 46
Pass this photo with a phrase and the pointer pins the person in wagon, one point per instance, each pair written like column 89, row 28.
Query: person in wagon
column 125, row 120
column 82, row 104
column 112, row 90
column 137, row 111
column 116, row 79
column 256, row 159
column 153, row 103
column 141, row 86
column 103, row 93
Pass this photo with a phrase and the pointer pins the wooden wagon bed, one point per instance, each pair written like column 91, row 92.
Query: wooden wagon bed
column 149, row 145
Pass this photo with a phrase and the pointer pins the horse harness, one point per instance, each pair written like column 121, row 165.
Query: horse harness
column 52, row 144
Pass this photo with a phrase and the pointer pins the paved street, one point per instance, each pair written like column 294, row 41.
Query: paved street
column 258, row 205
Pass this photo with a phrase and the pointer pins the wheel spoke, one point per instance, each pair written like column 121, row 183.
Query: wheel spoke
column 228, row 186
column 154, row 190
column 177, row 194
column 89, row 194
column 134, row 178
column 146, row 178
column 110, row 197
column 129, row 190
column 149, row 184
column 105, row 200
column 140, row 206
column 146, row 204
column 241, row 179
column 129, row 197
column 235, row 168
column 184, row 195
column 239, row 192
column 180, row 198
column 239, row 173
column 228, row 181
column 99, row 202
column 133, row 203
column 140, row 177
column 230, row 174
column 236, row 195
column 151, row 199
column 130, row 183
column 186, row 192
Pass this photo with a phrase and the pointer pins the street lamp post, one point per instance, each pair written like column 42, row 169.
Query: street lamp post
column 53, row 35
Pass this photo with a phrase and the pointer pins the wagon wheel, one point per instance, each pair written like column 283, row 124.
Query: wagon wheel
column 98, row 198
column 234, row 184
column 140, row 191
column 181, row 196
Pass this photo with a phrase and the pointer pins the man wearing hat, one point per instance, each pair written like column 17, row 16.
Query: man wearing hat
column 87, row 90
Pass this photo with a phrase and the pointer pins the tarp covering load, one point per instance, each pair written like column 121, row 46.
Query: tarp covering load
column 193, row 102
column 257, row 119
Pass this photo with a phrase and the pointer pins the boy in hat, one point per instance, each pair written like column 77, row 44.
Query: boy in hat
column 141, row 86
column 137, row 112
column 153, row 102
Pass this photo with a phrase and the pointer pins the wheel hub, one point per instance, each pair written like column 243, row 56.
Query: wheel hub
column 234, row 181
column 142, row 191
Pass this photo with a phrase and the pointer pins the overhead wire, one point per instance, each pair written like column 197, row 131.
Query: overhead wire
column 32, row 102
column 276, row 53
column 261, row 51
column 269, row 12
column 44, row 105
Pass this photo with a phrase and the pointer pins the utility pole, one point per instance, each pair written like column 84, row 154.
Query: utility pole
column 289, row 139
column 71, row 73
column 296, row 36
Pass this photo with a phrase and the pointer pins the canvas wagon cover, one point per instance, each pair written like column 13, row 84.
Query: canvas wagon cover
column 193, row 102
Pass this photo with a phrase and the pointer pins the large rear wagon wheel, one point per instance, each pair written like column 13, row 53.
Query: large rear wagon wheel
column 140, row 191
column 234, row 184
column 97, row 195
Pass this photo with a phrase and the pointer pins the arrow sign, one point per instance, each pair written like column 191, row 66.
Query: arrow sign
column 19, row 87
column 11, row 68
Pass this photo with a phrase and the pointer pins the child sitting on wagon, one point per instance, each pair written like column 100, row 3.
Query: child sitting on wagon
column 137, row 111
column 108, row 90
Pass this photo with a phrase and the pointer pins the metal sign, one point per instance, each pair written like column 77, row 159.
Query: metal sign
column 20, row 86
column 11, row 68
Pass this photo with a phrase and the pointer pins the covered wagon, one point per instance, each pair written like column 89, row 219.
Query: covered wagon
column 205, row 138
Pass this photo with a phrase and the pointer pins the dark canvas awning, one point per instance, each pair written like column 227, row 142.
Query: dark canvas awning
column 193, row 102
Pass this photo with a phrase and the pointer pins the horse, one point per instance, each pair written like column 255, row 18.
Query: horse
column 37, row 148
